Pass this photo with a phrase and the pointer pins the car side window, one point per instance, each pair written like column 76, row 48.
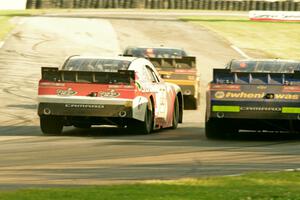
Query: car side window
column 155, row 75
column 151, row 75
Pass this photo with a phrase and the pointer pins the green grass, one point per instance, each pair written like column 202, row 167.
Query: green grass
column 283, row 185
column 6, row 15
column 275, row 39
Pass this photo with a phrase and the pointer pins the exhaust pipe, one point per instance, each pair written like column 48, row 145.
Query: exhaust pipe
column 47, row 111
column 220, row 115
column 122, row 113
column 187, row 92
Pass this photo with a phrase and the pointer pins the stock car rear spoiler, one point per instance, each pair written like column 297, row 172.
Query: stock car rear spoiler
column 56, row 75
column 183, row 63
column 226, row 76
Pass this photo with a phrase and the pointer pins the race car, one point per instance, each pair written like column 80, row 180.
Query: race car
column 174, row 66
column 253, row 94
column 123, row 91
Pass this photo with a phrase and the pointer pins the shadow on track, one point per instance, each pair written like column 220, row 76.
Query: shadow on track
column 192, row 134
column 264, row 136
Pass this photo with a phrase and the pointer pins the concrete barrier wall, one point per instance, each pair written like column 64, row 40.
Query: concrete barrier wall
column 235, row 5
column 12, row 4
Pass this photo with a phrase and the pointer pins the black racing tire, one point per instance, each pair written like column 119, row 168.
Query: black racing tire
column 212, row 130
column 175, row 114
column 51, row 125
column 145, row 127
column 219, row 129
column 194, row 103
column 190, row 103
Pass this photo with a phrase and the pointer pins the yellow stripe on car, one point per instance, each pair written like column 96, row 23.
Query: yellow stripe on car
column 295, row 110
column 181, row 82
column 226, row 108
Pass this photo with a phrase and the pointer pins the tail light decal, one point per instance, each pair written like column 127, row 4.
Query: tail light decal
column 291, row 89
column 225, row 87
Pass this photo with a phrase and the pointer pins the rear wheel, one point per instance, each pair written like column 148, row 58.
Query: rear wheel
column 190, row 103
column 219, row 129
column 51, row 125
column 146, row 126
column 175, row 114
column 212, row 130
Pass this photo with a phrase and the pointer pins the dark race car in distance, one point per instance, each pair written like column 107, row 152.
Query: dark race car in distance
column 253, row 95
column 155, row 52
column 174, row 66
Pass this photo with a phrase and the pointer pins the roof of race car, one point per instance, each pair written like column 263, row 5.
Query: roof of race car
column 153, row 47
column 98, row 63
column 263, row 65
column 123, row 58
column 270, row 60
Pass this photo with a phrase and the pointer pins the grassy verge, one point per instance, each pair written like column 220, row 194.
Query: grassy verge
column 6, row 15
column 5, row 26
column 283, row 185
column 276, row 39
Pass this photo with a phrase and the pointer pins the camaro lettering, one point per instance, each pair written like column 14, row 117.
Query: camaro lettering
column 96, row 106
column 245, row 95
column 247, row 108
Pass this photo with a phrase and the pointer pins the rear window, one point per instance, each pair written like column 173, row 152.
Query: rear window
column 264, row 66
column 98, row 65
column 155, row 52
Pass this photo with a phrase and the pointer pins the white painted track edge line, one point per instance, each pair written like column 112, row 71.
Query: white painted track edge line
column 243, row 54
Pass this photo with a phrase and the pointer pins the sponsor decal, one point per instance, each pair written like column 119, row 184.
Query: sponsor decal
column 250, row 108
column 191, row 78
column 291, row 89
column 138, row 85
column 251, row 95
column 186, row 71
column 96, row 106
column 67, row 92
column 274, row 15
column 219, row 95
column 111, row 93
column 225, row 87
column 52, row 84
column 261, row 87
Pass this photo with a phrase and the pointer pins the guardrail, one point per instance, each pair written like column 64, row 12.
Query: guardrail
column 238, row 5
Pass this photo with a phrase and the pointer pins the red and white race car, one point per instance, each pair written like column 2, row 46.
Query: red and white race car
column 122, row 91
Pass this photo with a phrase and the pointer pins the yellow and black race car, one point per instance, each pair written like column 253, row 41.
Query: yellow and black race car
column 253, row 95
column 174, row 66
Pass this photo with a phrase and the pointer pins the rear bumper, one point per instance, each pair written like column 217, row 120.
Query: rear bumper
column 92, row 107
column 88, row 110
column 254, row 110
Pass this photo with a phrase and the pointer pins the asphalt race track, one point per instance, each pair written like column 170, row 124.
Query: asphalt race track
column 105, row 154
